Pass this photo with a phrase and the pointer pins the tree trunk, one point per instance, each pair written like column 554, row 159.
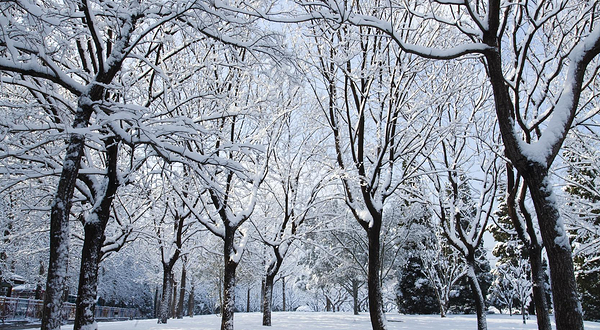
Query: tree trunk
column 355, row 295
column 283, row 293
column 567, row 308
column 173, row 301
column 91, row 253
column 248, row 300
column 59, row 223
column 228, row 307
column 272, row 270
column 156, row 302
column 539, row 291
column 190, row 309
column 268, row 300
column 167, row 292
column 477, row 294
column 180, row 306
column 38, row 288
column 378, row 321
column 88, row 276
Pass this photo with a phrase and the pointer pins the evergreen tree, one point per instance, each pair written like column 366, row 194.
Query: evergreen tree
column 415, row 294
column 462, row 301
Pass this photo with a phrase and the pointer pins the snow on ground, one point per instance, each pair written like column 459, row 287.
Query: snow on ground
column 329, row 321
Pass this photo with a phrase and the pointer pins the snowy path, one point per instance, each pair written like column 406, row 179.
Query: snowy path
column 329, row 321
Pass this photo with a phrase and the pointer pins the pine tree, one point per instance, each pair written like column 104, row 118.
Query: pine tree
column 415, row 294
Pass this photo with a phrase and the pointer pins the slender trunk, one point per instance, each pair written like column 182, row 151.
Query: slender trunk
column 167, row 292
column 190, row 309
column 523, row 313
column 91, row 253
column 88, row 276
column 228, row 307
column 477, row 294
column 173, row 301
column 38, row 288
column 378, row 321
column 438, row 296
column 248, row 301
column 539, row 291
column 262, row 290
column 156, row 302
column 267, row 300
column 283, row 293
column 272, row 270
column 355, row 295
column 180, row 305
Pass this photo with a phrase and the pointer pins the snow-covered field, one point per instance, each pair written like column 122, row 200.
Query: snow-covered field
column 329, row 321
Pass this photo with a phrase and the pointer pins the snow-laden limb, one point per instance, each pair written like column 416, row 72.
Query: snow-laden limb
column 34, row 70
column 204, row 220
column 545, row 149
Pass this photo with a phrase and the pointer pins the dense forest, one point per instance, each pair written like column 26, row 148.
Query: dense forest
column 185, row 157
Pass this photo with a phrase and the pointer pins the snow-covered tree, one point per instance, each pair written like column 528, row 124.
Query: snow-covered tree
column 379, row 131
column 513, row 286
column 539, row 59
column 416, row 293
column 582, row 215
column 293, row 189
column 465, row 184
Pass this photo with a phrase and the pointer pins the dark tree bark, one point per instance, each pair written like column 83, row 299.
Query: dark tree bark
column 167, row 295
column 355, row 301
column 180, row 306
column 248, row 300
column 61, row 206
column 167, row 302
column 59, row 224
column 228, row 307
column 190, row 307
column 91, row 252
column 267, row 301
column 376, row 311
column 272, row 270
column 528, row 237
column 538, row 275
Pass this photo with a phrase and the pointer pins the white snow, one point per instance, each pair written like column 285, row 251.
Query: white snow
column 323, row 321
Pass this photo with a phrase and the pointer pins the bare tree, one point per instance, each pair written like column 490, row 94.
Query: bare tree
column 533, row 125
column 466, row 192
column 293, row 188
column 377, row 134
